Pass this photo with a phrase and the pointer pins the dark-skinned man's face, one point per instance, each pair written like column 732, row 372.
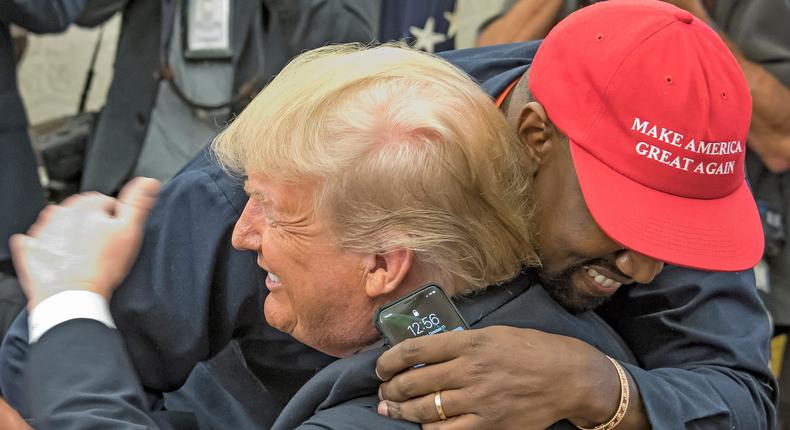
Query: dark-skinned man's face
column 581, row 266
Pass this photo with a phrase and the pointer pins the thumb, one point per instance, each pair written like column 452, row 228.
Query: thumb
column 136, row 199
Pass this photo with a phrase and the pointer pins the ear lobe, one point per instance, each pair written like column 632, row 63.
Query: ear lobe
column 388, row 272
column 535, row 130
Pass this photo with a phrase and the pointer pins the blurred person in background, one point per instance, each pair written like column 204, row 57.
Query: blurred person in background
column 758, row 35
column 21, row 195
column 524, row 20
column 183, row 68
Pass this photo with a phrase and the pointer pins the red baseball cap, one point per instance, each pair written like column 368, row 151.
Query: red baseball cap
column 657, row 111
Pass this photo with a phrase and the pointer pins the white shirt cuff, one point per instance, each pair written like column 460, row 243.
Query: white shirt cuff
column 66, row 306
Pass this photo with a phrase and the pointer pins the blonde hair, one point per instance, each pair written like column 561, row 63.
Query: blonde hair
column 409, row 152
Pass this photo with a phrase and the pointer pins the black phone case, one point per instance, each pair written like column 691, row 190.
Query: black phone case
column 421, row 290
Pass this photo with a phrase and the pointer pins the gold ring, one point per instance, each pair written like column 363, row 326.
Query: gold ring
column 437, row 400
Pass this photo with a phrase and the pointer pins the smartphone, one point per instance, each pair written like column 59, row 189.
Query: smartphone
column 424, row 312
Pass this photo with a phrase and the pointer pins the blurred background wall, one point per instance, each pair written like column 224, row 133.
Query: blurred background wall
column 54, row 67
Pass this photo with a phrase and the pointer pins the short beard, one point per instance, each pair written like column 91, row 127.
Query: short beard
column 559, row 288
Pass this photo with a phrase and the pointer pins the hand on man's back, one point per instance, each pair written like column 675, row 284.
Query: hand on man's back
column 87, row 243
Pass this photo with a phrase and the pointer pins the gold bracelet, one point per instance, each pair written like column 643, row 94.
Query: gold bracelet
column 622, row 408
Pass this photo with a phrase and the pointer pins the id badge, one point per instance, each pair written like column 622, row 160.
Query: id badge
column 207, row 30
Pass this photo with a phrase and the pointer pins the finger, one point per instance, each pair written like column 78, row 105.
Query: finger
column 137, row 198
column 424, row 410
column 424, row 380
column 461, row 422
column 427, row 349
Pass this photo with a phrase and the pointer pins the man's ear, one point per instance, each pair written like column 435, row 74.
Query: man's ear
column 535, row 129
column 388, row 271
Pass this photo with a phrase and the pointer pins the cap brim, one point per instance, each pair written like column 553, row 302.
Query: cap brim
column 722, row 234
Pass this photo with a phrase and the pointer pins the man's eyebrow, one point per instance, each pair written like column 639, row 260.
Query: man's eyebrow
column 255, row 194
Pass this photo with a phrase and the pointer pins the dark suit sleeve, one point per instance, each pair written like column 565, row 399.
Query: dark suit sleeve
column 97, row 12
column 356, row 414
column 494, row 67
column 41, row 16
column 13, row 356
column 361, row 414
column 189, row 292
column 702, row 341
column 81, row 378
column 309, row 24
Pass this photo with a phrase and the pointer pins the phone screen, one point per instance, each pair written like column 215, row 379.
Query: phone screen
column 425, row 312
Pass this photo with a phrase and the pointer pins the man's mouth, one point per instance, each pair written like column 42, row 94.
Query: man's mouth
column 272, row 281
column 601, row 279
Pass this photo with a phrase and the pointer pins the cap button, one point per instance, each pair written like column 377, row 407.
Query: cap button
column 684, row 16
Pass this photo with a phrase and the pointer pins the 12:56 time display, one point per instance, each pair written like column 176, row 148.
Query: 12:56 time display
column 424, row 312
column 426, row 323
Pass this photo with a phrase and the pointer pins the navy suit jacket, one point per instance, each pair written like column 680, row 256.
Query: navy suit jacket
column 700, row 338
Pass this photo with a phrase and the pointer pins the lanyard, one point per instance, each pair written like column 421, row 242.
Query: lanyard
column 166, row 73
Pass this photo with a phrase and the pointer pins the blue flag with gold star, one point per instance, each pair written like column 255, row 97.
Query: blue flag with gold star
column 425, row 24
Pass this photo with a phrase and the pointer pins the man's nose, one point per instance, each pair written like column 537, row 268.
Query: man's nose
column 244, row 235
column 639, row 267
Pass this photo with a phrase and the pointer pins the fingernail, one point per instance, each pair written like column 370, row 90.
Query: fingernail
column 381, row 397
column 382, row 409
